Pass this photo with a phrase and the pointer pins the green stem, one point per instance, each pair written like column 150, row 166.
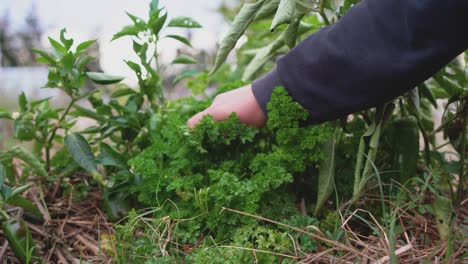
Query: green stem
column 54, row 131
column 461, row 187
column 322, row 12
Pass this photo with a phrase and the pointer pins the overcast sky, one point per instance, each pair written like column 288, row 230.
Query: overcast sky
column 85, row 19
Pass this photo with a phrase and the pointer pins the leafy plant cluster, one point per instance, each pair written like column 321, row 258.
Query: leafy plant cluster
column 140, row 153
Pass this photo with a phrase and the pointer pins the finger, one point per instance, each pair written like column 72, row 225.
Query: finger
column 194, row 120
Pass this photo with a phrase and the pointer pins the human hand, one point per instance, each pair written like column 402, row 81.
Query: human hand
column 240, row 101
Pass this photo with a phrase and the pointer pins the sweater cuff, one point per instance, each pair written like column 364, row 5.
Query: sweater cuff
column 263, row 88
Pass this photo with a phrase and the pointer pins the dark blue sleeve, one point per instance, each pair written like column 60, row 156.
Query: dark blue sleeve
column 377, row 51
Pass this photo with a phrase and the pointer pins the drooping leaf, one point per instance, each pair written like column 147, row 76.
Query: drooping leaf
column 427, row 93
column 25, row 155
column 111, row 157
column 262, row 56
column 267, row 9
column 184, row 22
column 284, row 14
column 443, row 212
column 241, row 22
column 82, row 154
column 180, row 39
column 184, row 60
column 291, row 33
column 103, row 78
column 30, row 210
column 326, row 180
column 414, row 101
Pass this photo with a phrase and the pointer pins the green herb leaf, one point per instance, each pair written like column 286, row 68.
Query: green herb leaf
column 81, row 152
column 45, row 55
column 326, row 180
column 284, row 14
column 241, row 22
column 181, row 39
column 103, row 78
column 57, row 46
column 85, row 45
column 185, row 74
column 30, row 159
column 184, row 60
column 184, row 22
column 127, row 31
column 66, row 42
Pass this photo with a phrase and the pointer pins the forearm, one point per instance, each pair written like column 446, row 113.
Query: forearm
column 377, row 51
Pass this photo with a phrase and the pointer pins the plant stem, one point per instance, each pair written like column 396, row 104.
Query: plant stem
column 322, row 12
column 461, row 181
column 54, row 131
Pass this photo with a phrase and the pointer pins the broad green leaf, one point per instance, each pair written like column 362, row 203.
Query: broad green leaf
column 184, row 60
column 184, row 22
column 57, row 46
column 81, row 153
column 130, row 30
column 185, row 74
column 241, row 22
column 267, row 9
column 103, row 78
column 326, row 180
column 46, row 56
column 66, row 42
column 284, row 14
column 25, row 155
column 262, row 56
column 85, row 45
column 443, row 212
column 181, row 39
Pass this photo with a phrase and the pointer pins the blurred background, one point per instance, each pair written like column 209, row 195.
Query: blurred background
column 26, row 24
